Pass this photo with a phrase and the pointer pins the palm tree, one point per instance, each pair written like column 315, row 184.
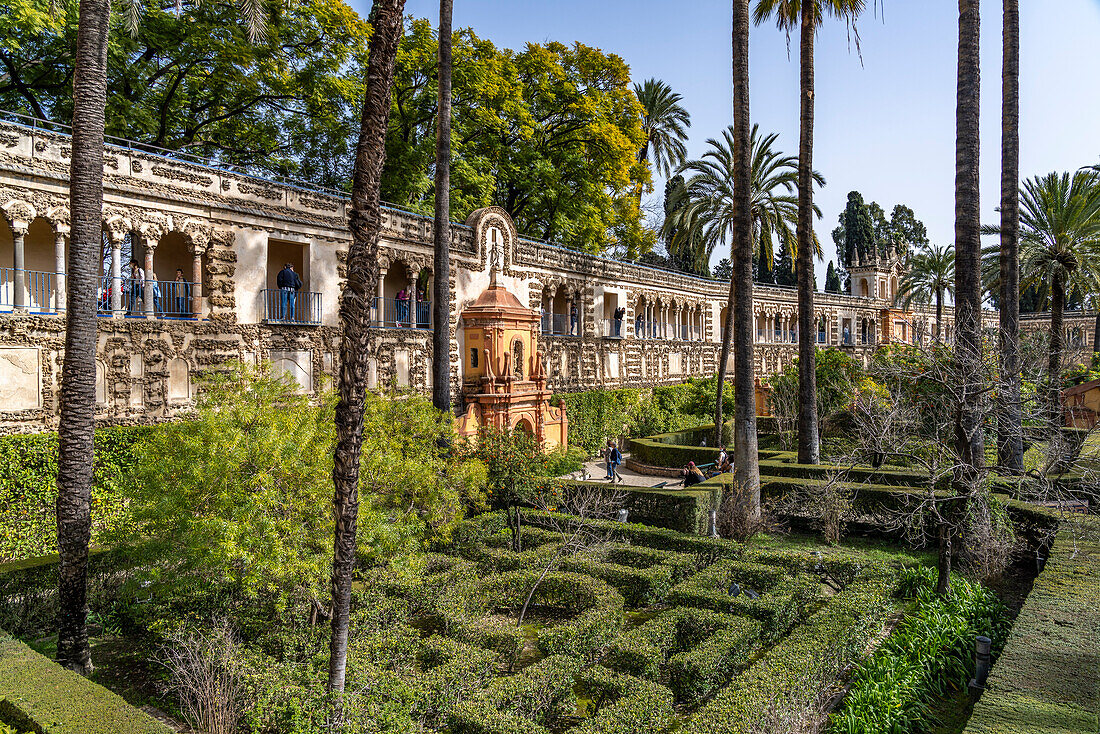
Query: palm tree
column 809, row 15
column 705, row 217
column 931, row 274
column 665, row 123
column 1060, row 247
column 441, row 338
column 739, row 510
column 77, row 409
column 1010, row 436
column 365, row 221
column 77, row 420
column 968, row 287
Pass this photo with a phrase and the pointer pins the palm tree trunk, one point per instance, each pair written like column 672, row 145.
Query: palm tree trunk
column 968, row 294
column 1054, row 361
column 77, row 424
column 441, row 339
column 1010, row 439
column 740, row 507
column 724, row 353
column 365, row 221
column 939, row 313
column 1096, row 332
column 809, row 443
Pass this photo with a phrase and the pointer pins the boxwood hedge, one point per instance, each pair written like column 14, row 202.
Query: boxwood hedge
column 794, row 672
column 704, row 668
column 623, row 703
column 37, row 694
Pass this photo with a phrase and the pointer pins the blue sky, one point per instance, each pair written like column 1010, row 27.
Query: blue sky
column 885, row 127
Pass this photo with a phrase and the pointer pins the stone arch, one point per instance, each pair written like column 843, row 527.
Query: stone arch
column 100, row 382
column 524, row 425
column 483, row 221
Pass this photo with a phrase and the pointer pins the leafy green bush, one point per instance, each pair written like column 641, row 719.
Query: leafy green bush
column 28, row 488
column 698, row 672
column 930, row 654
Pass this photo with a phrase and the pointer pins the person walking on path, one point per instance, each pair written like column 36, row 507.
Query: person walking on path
column 614, row 458
column 288, row 284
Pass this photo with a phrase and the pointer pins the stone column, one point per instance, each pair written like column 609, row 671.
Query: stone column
column 379, row 303
column 116, row 275
column 148, row 302
column 19, row 297
column 196, row 281
column 59, row 271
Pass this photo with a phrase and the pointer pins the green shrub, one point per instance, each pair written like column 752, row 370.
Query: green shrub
column 682, row 510
column 681, row 565
column 37, row 694
column 794, row 673
column 622, row 703
column 654, row 537
column 639, row 586
column 28, row 488
column 643, row 651
column 930, row 654
column 696, row 673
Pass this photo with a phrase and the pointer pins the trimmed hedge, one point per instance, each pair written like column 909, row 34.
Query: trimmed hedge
column 1047, row 680
column 644, row 651
column 659, row 451
column 682, row 510
column 796, row 671
column 39, row 695
column 525, row 702
column 696, row 673
column 28, row 488
column 623, row 703
column 640, row 587
column 652, row 537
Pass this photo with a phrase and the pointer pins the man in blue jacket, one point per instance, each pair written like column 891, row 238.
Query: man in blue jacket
column 289, row 284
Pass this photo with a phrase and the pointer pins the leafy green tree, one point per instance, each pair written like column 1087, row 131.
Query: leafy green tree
column 931, row 275
column 784, row 269
column 839, row 378
column 723, row 270
column 551, row 134
column 237, row 500
column 857, row 237
column 199, row 81
column 665, row 123
column 832, row 280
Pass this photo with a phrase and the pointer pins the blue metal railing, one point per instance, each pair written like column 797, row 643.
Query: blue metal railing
column 394, row 313
column 291, row 307
column 33, row 291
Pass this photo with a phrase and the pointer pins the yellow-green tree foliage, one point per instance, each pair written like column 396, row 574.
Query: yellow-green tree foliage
column 238, row 499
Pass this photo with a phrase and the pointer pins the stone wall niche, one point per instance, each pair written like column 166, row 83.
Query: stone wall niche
column 179, row 380
column 20, row 378
column 298, row 364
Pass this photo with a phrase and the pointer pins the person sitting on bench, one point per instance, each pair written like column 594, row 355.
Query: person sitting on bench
column 723, row 463
column 692, row 475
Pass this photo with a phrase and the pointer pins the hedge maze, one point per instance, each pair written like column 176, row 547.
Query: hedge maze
column 640, row 634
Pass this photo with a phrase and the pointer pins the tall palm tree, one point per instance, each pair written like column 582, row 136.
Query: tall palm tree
column 77, row 409
column 968, row 287
column 441, row 338
column 1060, row 247
column 665, row 123
column 809, row 15
column 705, row 217
column 77, row 420
column 365, row 221
column 739, row 511
column 1010, row 435
column 931, row 275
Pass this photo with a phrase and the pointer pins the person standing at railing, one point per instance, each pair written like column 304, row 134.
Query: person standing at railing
column 181, row 293
column 573, row 320
column 135, row 287
column 402, row 306
column 289, row 284
column 620, row 312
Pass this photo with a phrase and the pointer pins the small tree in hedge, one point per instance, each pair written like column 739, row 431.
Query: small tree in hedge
column 516, row 468
column 839, row 378
column 235, row 505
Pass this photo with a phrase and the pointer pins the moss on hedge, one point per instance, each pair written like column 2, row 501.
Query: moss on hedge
column 1047, row 680
column 39, row 695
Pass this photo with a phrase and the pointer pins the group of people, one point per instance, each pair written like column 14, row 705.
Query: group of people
column 694, row 475
column 133, row 286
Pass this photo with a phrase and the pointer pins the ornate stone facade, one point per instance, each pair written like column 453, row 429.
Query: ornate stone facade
column 224, row 236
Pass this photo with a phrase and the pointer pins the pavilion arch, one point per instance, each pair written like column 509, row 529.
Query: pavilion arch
column 398, row 278
column 523, row 425
column 864, row 288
